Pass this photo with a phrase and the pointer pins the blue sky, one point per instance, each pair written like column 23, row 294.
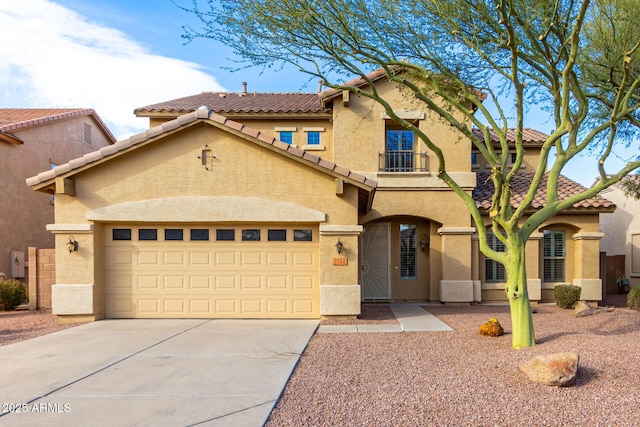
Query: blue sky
column 116, row 55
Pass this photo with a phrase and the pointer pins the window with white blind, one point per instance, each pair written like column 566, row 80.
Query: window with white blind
column 408, row 237
column 494, row 271
column 554, row 253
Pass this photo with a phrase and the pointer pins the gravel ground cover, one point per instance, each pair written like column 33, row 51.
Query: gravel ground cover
column 23, row 325
column 460, row 378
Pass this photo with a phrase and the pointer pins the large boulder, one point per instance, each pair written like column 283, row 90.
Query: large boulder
column 558, row 369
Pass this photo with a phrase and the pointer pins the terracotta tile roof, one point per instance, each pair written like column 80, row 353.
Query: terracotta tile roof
column 357, row 82
column 230, row 102
column 15, row 119
column 374, row 76
column 367, row 186
column 528, row 135
column 520, row 185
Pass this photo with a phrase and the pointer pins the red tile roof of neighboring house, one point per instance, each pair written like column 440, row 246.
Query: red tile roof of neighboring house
column 366, row 186
column 232, row 102
column 520, row 185
column 528, row 135
column 16, row 119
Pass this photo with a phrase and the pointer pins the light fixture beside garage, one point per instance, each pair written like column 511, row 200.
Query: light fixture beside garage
column 72, row 244
column 339, row 247
column 206, row 156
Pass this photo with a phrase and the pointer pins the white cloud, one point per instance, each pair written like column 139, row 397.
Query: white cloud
column 54, row 57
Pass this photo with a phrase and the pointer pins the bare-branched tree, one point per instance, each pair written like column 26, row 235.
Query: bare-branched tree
column 579, row 59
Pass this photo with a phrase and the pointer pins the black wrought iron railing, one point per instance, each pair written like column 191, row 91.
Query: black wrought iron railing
column 402, row 161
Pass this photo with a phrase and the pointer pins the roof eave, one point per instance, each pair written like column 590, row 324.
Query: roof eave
column 592, row 210
column 7, row 137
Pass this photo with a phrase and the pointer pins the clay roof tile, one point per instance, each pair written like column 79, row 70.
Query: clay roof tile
column 520, row 185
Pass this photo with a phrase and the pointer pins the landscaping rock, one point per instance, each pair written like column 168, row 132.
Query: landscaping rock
column 492, row 328
column 584, row 309
column 558, row 369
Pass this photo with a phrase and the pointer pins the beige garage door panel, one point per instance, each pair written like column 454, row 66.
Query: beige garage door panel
column 211, row 279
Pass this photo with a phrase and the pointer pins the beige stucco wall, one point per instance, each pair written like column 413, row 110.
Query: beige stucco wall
column 170, row 168
column 529, row 160
column 296, row 123
column 359, row 131
column 24, row 213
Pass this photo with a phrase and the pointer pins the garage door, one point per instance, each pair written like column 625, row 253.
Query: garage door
column 249, row 271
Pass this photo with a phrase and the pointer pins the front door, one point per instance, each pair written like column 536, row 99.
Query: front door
column 375, row 262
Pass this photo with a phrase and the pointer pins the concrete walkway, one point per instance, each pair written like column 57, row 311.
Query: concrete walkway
column 411, row 318
column 151, row 373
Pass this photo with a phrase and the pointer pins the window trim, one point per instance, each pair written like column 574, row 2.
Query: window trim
column 314, row 130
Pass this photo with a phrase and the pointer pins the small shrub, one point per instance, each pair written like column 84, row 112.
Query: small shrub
column 492, row 328
column 566, row 296
column 633, row 298
column 12, row 294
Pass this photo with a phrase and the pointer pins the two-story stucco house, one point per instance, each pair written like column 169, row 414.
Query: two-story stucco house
column 274, row 205
column 33, row 140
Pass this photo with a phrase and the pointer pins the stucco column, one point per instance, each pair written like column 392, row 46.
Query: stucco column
column 339, row 288
column 456, row 284
column 534, row 275
column 587, row 265
column 475, row 268
column 72, row 296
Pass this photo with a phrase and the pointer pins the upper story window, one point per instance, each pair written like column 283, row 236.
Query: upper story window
column 400, row 155
column 286, row 133
column 313, row 138
column 286, row 137
column 554, row 253
column 474, row 160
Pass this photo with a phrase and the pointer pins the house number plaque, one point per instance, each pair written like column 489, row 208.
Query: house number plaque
column 340, row 261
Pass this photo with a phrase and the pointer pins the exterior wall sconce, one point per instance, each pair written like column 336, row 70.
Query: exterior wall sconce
column 72, row 245
column 205, row 156
column 424, row 241
column 339, row 247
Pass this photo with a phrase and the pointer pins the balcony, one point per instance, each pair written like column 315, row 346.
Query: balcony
column 402, row 161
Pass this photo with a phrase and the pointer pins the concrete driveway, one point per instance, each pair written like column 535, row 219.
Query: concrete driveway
column 151, row 372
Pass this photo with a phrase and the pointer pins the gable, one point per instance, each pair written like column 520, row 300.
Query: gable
column 15, row 120
column 167, row 156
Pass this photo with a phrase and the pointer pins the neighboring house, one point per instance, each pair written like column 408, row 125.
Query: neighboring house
column 290, row 205
column 31, row 141
column 622, row 231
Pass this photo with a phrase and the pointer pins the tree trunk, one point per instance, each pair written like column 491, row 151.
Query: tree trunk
column 516, row 288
